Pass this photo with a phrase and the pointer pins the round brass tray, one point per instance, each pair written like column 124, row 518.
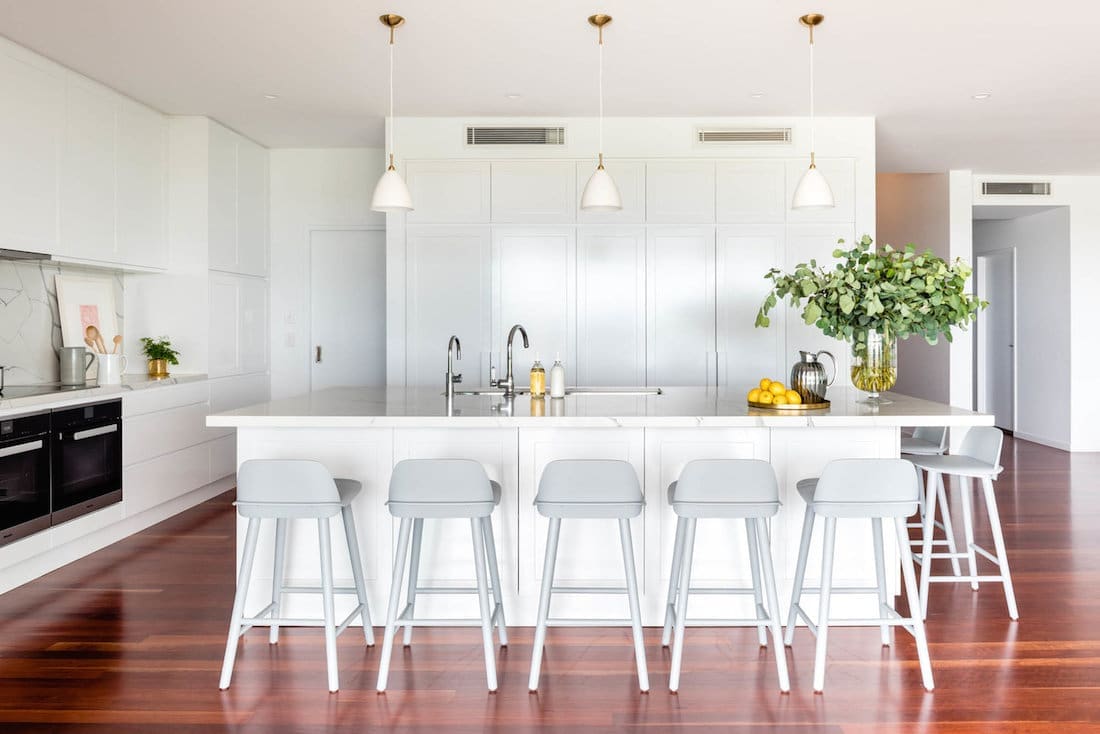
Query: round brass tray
column 787, row 407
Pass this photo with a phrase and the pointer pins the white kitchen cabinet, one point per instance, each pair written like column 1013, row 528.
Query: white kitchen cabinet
column 680, row 192
column 629, row 176
column 222, row 196
column 448, row 192
column 745, row 253
column 751, row 192
column 680, row 345
column 141, row 173
column 237, row 203
column 238, row 325
column 611, row 298
column 32, row 130
column 534, row 285
column 252, row 181
column 252, row 340
column 448, row 271
column 841, row 175
column 88, row 172
column 534, row 192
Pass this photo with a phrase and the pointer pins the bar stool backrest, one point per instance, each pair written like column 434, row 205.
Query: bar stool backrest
column 868, row 488
column 285, row 482
column 440, row 481
column 932, row 434
column 984, row 444
column 594, row 480
column 727, row 480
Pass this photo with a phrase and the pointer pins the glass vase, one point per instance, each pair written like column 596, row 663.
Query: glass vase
column 875, row 365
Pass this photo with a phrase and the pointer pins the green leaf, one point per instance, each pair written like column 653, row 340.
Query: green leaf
column 811, row 314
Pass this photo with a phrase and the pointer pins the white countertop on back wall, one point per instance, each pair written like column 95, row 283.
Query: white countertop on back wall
column 91, row 394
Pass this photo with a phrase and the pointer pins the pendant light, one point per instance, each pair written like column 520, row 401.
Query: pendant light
column 391, row 194
column 600, row 193
column 813, row 190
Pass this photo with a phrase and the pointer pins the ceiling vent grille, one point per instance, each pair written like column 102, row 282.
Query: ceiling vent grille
column 1016, row 188
column 515, row 136
column 744, row 135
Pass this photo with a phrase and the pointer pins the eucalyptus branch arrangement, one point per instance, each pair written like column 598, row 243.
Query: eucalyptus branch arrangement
column 897, row 293
column 159, row 348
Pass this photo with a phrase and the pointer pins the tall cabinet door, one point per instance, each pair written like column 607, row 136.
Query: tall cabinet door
column 746, row 253
column 611, row 306
column 142, row 184
column 447, row 274
column 680, row 343
column 88, row 165
column 534, row 285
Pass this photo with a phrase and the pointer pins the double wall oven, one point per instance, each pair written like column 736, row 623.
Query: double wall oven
column 57, row 466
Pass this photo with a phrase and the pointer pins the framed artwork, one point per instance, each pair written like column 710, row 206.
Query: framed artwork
column 84, row 302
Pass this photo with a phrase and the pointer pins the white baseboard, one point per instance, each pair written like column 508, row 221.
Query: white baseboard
column 1063, row 445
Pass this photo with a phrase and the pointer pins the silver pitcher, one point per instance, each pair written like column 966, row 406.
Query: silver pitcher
column 808, row 376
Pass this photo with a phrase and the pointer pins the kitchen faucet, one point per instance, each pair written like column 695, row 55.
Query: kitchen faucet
column 509, row 383
column 454, row 350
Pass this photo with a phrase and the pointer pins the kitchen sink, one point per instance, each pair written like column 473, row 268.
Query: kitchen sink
column 624, row 391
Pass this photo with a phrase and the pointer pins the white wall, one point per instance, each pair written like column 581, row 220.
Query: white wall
column 913, row 208
column 310, row 188
column 1042, row 243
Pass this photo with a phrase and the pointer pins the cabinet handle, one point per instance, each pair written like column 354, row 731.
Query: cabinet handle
column 317, row 358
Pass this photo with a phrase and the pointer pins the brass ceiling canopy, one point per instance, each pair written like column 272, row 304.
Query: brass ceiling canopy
column 810, row 20
column 599, row 20
column 391, row 21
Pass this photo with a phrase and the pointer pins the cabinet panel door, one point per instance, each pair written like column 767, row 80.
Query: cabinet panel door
column 611, row 306
column 841, row 175
column 222, row 214
column 527, row 192
column 534, row 285
column 680, row 307
column 629, row 176
column 745, row 353
column 252, row 341
column 32, row 128
column 224, row 325
column 142, row 170
column 680, row 192
column 451, row 192
column 251, row 208
column 448, row 271
column 751, row 191
column 88, row 179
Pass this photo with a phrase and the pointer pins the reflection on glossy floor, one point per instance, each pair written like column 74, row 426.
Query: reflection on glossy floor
column 131, row 639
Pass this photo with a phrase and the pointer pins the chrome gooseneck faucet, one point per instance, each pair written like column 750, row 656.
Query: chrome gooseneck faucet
column 509, row 383
column 454, row 351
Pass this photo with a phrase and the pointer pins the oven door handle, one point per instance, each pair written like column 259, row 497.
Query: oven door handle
column 21, row 448
column 92, row 432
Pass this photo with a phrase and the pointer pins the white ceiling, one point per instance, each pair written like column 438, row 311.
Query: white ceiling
column 914, row 66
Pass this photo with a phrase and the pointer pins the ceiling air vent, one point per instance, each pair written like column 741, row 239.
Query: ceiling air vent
column 1015, row 188
column 515, row 136
column 744, row 135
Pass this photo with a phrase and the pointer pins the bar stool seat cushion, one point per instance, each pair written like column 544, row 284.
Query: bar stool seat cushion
column 589, row 488
column 855, row 488
column 962, row 466
column 919, row 447
column 725, row 488
column 291, row 489
column 806, row 489
column 441, row 488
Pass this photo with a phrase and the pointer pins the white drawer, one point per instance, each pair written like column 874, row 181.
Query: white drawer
column 152, row 399
column 164, row 478
column 155, row 434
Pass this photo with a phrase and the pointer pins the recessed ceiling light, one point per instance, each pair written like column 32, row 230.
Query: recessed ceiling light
column 271, row 97
column 513, row 95
column 756, row 95
column 982, row 95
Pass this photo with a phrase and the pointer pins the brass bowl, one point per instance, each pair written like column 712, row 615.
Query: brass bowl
column 788, row 408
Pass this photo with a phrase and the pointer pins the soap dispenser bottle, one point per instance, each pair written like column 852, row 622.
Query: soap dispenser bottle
column 538, row 379
column 557, row 379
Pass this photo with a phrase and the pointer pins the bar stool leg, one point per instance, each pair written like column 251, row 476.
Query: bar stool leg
column 681, row 603
column 544, row 601
column 880, row 576
column 910, row 578
column 763, row 539
column 968, row 529
column 948, row 529
column 247, row 557
column 395, row 595
column 324, row 538
column 635, row 605
column 999, row 546
column 494, row 578
column 357, row 573
column 673, row 581
column 414, row 576
column 757, row 595
column 478, row 537
column 277, row 579
column 823, row 613
column 799, row 573
column 926, row 538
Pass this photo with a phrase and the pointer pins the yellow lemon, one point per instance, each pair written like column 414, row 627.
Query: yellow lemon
column 780, row 399
column 793, row 397
column 765, row 383
column 754, row 395
column 765, row 397
column 777, row 388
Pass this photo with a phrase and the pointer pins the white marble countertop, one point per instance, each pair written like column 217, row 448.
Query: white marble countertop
column 348, row 407
column 90, row 394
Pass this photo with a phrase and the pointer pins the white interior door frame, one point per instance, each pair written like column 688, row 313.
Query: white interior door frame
column 983, row 292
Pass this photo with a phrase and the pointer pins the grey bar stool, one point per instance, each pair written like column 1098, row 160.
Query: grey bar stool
column 443, row 489
column 725, row 489
column 931, row 441
column 289, row 490
column 979, row 458
column 873, row 489
column 589, row 489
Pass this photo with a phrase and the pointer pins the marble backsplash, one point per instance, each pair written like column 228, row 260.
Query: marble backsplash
column 30, row 327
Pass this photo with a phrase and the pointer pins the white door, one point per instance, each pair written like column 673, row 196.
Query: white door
column 348, row 308
column 996, row 330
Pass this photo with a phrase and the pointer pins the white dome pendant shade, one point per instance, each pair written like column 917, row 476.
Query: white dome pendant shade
column 391, row 195
column 813, row 191
column 600, row 193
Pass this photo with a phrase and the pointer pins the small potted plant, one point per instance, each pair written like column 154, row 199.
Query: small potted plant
column 159, row 352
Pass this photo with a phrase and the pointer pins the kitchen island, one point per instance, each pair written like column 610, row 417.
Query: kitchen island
column 360, row 433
